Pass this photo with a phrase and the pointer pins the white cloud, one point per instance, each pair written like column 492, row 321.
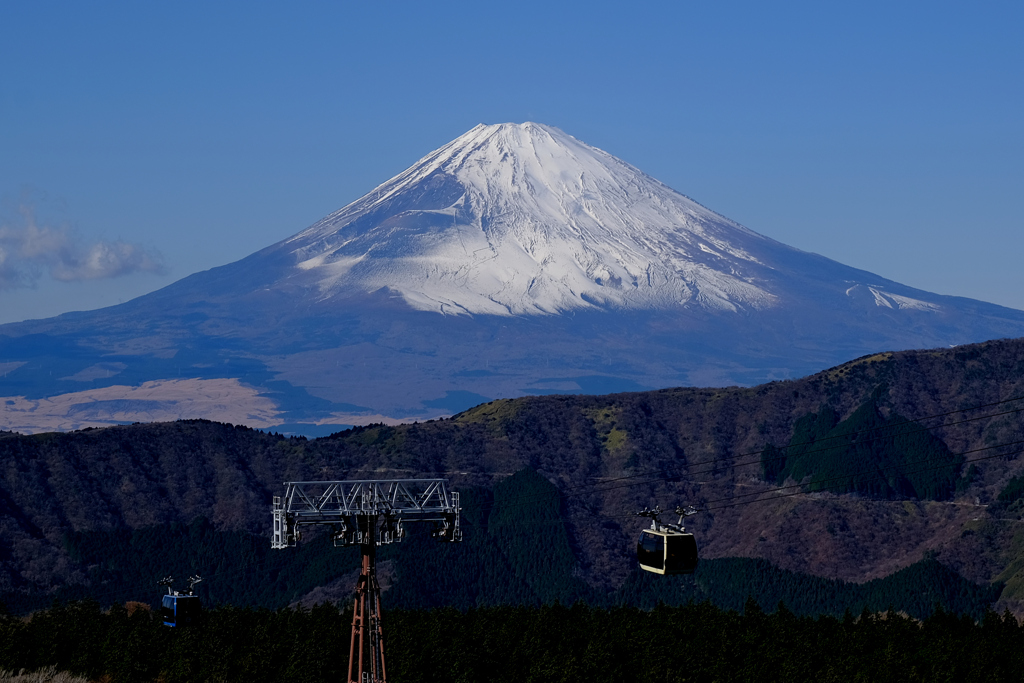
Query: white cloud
column 29, row 249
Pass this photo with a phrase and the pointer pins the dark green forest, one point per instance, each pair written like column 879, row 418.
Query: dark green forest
column 867, row 454
column 693, row 643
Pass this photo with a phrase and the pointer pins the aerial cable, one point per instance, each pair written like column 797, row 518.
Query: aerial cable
column 665, row 472
column 770, row 494
column 845, row 476
column 798, row 493
column 875, row 471
column 802, row 443
column 608, row 485
column 682, row 470
column 917, row 429
column 670, row 476
column 871, row 475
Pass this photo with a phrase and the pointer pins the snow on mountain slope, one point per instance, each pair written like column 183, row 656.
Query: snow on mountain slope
column 514, row 219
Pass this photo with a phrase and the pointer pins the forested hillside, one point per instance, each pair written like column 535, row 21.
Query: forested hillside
column 884, row 461
column 516, row 551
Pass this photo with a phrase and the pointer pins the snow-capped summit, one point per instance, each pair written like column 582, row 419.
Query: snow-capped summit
column 524, row 219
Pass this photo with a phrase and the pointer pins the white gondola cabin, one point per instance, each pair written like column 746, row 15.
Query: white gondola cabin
column 667, row 548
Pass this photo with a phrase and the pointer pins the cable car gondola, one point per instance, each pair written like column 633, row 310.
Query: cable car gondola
column 180, row 609
column 666, row 548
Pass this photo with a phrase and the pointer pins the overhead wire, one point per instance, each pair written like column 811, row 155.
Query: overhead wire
column 654, row 471
column 680, row 470
column 684, row 469
column 872, row 474
column 797, row 493
column 854, row 474
column 847, row 435
column 652, row 478
column 876, row 470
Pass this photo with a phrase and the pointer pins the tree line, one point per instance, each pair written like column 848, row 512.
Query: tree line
column 693, row 642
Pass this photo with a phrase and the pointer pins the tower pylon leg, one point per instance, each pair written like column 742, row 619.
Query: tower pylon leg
column 366, row 652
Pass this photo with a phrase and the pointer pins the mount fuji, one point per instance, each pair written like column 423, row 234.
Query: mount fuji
column 514, row 260
column 526, row 220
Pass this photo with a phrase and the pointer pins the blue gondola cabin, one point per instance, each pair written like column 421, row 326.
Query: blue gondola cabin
column 180, row 610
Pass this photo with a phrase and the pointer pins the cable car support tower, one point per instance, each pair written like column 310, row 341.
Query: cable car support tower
column 367, row 513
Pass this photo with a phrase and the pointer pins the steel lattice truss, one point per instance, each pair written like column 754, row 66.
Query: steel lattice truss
column 344, row 503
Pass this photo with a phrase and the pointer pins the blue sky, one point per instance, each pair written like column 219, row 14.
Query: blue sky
column 141, row 142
